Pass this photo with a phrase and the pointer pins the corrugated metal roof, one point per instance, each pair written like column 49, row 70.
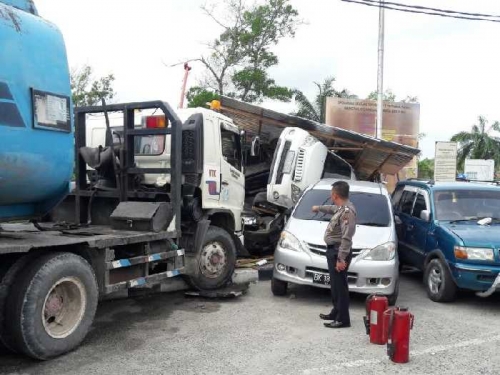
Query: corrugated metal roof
column 367, row 154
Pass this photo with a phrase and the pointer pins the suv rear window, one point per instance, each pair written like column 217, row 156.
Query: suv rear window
column 371, row 209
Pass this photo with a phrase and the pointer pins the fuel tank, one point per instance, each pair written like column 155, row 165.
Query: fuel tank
column 36, row 120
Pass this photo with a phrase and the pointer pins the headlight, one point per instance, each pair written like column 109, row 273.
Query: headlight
column 295, row 193
column 289, row 241
column 287, row 167
column 386, row 251
column 474, row 253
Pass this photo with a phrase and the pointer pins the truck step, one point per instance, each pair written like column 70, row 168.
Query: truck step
column 122, row 263
column 144, row 281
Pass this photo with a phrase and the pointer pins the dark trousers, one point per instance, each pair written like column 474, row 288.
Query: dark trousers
column 339, row 286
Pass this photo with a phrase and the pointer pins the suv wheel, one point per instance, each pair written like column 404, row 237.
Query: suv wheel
column 438, row 282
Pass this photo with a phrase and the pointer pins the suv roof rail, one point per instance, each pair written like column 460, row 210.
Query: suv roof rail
column 430, row 182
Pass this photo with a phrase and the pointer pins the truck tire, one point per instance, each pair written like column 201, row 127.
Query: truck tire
column 52, row 305
column 7, row 278
column 215, row 262
column 279, row 287
column 438, row 282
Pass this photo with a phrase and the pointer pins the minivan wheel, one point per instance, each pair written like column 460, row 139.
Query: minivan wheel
column 392, row 298
column 438, row 282
column 278, row 287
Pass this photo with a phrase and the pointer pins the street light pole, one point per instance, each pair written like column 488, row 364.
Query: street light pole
column 380, row 75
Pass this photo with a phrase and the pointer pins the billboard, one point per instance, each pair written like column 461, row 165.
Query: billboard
column 400, row 123
column 479, row 169
column 445, row 161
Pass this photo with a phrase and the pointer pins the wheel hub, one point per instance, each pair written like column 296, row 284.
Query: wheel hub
column 64, row 307
column 54, row 304
column 435, row 280
column 213, row 260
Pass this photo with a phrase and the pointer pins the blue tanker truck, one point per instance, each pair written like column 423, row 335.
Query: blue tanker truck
column 62, row 248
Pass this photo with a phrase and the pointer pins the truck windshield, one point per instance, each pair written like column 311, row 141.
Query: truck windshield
column 372, row 209
column 467, row 204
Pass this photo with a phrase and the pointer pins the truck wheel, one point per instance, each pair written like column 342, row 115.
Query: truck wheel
column 7, row 278
column 215, row 262
column 278, row 287
column 438, row 282
column 53, row 305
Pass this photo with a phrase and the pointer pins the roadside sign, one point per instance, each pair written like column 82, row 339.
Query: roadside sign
column 479, row 169
column 445, row 161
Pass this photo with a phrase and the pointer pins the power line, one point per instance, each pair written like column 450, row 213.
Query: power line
column 432, row 9
column 414, row 9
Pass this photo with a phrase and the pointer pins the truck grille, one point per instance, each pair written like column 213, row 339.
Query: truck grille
column 188, row 145
column 299, row 167
column 321, row 250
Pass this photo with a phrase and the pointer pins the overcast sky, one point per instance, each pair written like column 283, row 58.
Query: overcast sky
column 451, row 65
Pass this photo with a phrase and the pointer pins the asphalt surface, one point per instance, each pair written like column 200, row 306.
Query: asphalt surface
column 262, row 334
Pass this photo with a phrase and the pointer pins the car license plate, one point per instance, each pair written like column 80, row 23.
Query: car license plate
column 320, row 278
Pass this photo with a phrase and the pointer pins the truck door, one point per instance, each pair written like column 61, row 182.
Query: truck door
column 232, row 187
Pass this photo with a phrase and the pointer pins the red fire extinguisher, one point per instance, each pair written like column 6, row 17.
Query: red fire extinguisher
column 397, row 324
column 376, row 304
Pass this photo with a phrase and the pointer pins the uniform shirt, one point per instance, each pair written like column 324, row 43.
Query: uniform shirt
column 341, row 227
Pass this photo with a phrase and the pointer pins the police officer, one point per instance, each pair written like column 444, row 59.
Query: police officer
column 338, row 237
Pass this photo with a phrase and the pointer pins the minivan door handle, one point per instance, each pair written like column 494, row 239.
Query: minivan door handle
column 409, row 227
column 225, row 183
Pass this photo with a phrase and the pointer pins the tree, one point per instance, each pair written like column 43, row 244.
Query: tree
column 479, row 143
column 239, row 60
column 199, row 97
column 316, row 110
column 426, row 169
column 389, row 96
column 87, row 91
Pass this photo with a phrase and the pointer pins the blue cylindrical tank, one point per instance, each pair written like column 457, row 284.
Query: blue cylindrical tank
column 36, row 127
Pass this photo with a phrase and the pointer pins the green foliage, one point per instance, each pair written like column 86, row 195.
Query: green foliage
column 239, row 59
column 389, row 96
column 199, row 97
column 479, row 143
column 316, row 110
column 426, row 169
column 87, row 91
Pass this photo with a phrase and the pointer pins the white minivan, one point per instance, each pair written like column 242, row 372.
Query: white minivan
column 300, row 256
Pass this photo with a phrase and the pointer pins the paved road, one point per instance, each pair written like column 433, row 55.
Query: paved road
column 262, row 334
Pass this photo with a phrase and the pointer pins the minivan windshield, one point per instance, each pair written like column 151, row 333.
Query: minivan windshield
column 372, row 209
column 467, row 204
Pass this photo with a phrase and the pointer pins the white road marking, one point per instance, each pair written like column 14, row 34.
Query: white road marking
column 431, row 350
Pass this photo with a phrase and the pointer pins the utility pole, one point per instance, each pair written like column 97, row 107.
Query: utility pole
column 380, row 75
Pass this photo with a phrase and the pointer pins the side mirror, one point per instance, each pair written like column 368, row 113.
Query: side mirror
column 425, row 215
column 255, row 147
column 397, row 220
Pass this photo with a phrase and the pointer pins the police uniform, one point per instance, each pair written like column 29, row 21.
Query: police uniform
column 338, row 237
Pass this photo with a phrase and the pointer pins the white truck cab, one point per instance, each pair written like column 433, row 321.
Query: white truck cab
column 300, row 160
column 211, row 148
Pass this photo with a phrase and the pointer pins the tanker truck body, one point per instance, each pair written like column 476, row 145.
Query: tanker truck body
column 36, row 130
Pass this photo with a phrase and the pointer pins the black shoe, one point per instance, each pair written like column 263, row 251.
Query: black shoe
column 326, row 317
column 335, row 324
